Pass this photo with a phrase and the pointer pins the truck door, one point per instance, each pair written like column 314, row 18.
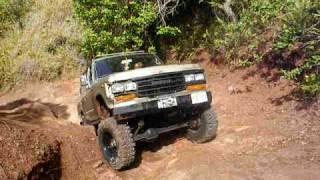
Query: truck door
column 87, row 100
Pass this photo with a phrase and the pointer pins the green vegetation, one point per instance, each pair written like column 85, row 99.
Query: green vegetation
column 11, row 15
column 248, row 31
column 41, row 42
column 12, row 11
column 114, row 25
column 296, row 25
column 253, row 19
column 301, row 34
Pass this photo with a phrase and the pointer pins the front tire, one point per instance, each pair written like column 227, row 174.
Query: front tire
column 116, row 143
column 205, row 129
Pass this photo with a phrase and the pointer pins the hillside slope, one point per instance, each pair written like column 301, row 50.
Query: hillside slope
column 44, row 47
column 264, row 133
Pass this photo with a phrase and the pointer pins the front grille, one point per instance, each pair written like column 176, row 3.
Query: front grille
column 160, row 84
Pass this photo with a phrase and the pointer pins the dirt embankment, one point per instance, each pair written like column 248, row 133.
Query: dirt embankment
column 265, row 132
column 26, row 149
column 28, row 153
column 41, row 136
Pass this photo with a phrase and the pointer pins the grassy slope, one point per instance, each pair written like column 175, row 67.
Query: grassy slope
column 45, row 48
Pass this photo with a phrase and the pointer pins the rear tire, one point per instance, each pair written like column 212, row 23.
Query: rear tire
column 206, row 129
column 116, row 143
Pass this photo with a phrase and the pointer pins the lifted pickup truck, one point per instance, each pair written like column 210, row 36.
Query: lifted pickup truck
column 133, row 96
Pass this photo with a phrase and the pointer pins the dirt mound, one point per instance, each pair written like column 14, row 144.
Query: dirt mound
column 27, row 150
column 25, row 110
column 28, row 153
column 51, row 147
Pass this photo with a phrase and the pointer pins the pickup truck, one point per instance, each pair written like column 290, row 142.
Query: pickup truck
column 134, row 96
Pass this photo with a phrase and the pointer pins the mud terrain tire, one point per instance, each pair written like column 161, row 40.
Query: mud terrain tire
column 116, row 143
column 207, row 128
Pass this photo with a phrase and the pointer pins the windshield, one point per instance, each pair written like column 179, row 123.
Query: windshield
column 111, row 65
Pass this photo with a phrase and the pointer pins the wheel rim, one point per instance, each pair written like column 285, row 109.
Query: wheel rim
column 110, row 150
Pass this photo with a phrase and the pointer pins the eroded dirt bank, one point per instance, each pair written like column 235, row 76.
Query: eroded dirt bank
column 265, row 132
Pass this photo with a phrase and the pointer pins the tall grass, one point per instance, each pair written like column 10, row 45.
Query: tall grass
column 45, row 48
column 12, row 11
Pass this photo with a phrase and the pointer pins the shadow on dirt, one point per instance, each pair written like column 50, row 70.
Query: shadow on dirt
column 26, row 110
column 303, row 102
column 274, row 60
column 164, row 140
column 272, row 77
column 50, row 166
column 264, row 72
column 268, row 70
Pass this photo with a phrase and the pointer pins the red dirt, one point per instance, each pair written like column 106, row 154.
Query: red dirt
column 265, row 132
column 28, row 152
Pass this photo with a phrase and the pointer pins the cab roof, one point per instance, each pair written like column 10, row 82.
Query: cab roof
column 105, row 56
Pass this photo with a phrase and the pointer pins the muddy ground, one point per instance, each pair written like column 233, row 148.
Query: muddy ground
column 265, row 132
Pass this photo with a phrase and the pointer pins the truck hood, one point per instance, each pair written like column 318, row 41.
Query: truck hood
column 148, row 71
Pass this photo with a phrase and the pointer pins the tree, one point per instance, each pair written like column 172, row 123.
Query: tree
column 113, row 25
column 166, row 8
column 225, row 6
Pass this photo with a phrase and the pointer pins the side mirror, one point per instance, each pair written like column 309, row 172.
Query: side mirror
column 83, row 80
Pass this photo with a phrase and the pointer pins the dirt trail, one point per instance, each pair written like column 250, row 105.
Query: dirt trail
column 264, row 133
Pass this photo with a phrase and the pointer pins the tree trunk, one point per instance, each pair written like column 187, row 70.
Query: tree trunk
column 228, row 10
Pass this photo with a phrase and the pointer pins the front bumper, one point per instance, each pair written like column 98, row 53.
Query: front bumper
column 184, row 101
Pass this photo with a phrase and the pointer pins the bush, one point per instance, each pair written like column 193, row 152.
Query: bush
column 253, row 17
column 7, row 72
column 113, row 26
column 297, row 44
column 45, row 49
column 301, row 26
column 12, row 11
column 311, row 84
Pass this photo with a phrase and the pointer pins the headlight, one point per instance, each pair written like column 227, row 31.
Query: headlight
column 194, row 77
column 189, row 77
column 117, row 88
column 130, row 86
column 121, row 87
column 199, row 77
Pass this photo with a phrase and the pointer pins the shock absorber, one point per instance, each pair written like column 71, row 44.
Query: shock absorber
column 140, row 125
